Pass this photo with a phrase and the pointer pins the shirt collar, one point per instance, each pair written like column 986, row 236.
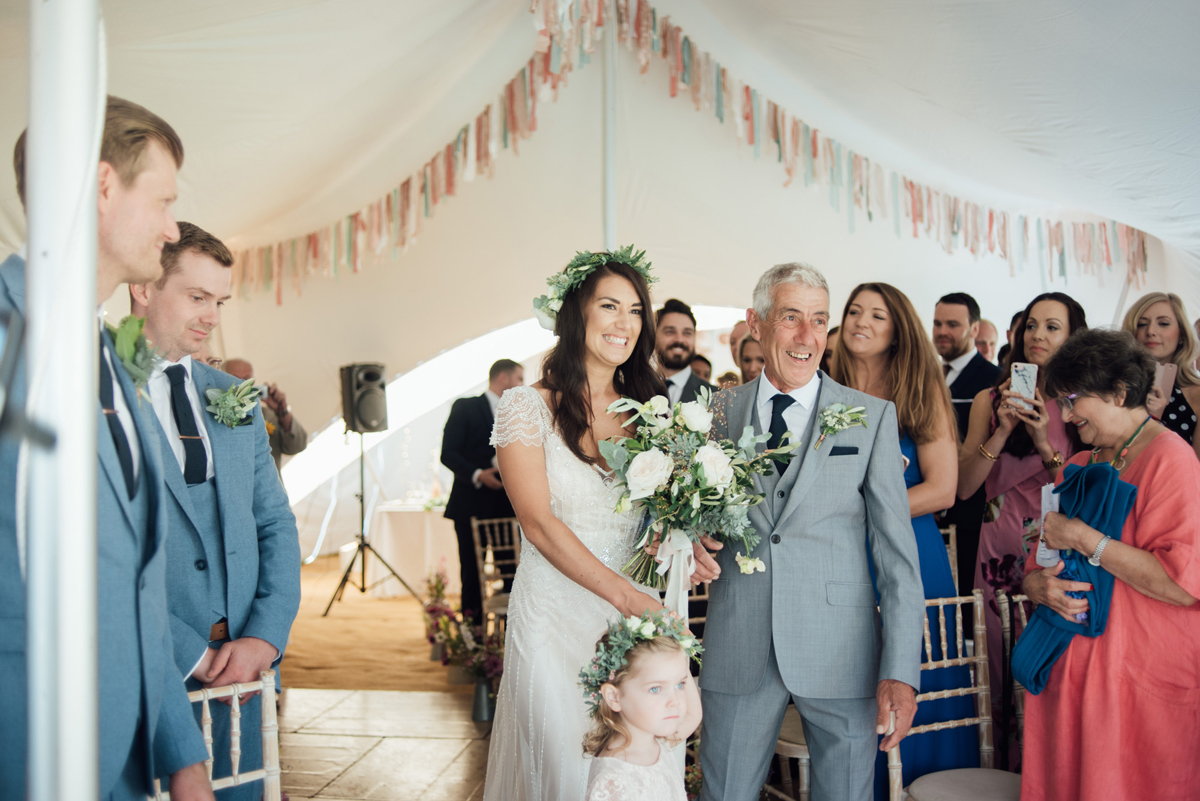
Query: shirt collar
column 961, row 361
column 492, row 398
column 680, row 379
column 806, row 395
column 185, row 361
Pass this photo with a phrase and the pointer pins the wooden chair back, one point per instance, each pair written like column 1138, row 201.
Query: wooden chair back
column 269, row 772
column 497, row 554
column 950, row 538
column 980, row 685
column 1009, row 633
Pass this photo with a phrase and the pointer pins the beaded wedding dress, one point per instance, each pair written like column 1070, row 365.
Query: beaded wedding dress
column 536, row 751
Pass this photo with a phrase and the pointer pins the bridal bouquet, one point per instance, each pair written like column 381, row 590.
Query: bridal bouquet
column 691, row 486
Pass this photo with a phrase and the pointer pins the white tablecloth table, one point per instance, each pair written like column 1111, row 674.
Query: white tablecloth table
column 415, row 542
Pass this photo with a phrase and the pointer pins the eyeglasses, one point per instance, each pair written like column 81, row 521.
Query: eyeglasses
column 1069, row 401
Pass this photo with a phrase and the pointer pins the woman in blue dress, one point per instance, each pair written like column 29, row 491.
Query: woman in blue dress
column 883, row 350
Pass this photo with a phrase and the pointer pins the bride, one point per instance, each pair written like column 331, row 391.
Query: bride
column 569, row 582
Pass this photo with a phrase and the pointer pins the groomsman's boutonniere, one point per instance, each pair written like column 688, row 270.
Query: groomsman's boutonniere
column 235, row 406
column 134, row 351
column 838, row 417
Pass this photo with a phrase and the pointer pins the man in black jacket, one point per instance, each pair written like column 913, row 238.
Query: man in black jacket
column 955, row 326
column 477, row 491
column 675, row 347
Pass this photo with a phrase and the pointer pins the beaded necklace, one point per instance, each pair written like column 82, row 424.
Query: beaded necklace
column 1124, row 450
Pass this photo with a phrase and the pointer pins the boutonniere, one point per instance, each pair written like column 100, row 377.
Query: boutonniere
column 270, row 427
column 135, row 353
column 235, row 406
column 838, row 417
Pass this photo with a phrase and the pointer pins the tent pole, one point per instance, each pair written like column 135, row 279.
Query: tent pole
column 66, row 108
column 610, row 131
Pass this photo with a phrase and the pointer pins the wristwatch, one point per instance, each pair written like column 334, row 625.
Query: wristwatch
column 1055, row 461
column 1094, row 559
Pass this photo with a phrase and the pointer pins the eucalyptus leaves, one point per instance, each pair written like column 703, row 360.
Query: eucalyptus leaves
column 133, row 350
column 235, row 406
column 545, row 307
column 838, row 417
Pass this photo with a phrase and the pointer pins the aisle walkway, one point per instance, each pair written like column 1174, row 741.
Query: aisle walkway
column 377, row 745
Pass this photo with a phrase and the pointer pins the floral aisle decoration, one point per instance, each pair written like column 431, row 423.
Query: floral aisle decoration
column 436, row 610
column 693, row 780
column 690, row 484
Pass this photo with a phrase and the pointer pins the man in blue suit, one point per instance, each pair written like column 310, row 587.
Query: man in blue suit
column 146, row 723
column 233, row 555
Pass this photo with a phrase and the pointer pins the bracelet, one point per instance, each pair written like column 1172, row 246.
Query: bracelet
column 984, row 453
column 1055, row 461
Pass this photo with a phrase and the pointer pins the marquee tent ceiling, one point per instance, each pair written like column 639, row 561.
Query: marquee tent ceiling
column 297, row 112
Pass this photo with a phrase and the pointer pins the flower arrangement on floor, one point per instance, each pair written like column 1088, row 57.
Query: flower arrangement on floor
column 469, row 647
column 691, row 485
column 438, row 613
column 693, row 780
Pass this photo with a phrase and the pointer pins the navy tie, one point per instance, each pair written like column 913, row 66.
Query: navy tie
column 195, row 462
column 778, row 426
column 120, row 441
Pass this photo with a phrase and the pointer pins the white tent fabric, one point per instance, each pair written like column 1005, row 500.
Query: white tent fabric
column 295, row 113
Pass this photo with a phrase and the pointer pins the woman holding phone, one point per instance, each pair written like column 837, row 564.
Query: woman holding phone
column 1158, row 321
column 1016, row 443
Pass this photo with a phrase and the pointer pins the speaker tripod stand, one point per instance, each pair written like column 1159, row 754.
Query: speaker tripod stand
column 364, row 545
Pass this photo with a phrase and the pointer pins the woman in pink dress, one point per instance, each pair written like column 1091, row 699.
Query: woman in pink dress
column 1119, row 717
column 1015, row 451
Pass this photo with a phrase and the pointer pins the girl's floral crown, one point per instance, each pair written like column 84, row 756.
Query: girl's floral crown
column 545, row 307
column 624, row 634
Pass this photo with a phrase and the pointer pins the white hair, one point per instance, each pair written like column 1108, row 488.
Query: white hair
column 793, row 272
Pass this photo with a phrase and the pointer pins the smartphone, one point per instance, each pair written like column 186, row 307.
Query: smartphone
column 1164, row 378
column 263, row 390
column 1024, row 383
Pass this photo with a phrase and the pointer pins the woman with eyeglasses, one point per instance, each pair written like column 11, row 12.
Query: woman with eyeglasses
column 1119, row 716
column 1014, row 450
column 1159, row 322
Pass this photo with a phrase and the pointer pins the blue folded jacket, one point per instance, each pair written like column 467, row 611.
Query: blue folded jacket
column 1096, row 495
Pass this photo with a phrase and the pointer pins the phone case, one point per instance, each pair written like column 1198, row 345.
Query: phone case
column 1024, row 382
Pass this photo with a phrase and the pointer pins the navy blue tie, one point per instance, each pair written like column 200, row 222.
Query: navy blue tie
column 120, row 441
column 778, row 425
column 195, row 461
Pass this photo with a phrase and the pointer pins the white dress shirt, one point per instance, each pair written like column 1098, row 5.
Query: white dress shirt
column 678, row 382
column 123, row 414
column 159, row 387
column 798, row 414
column 957, row 366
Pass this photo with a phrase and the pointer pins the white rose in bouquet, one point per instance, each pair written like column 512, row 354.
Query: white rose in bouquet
column 658, row 409
column 696, row 417
column 647, row 473
column 718, row 468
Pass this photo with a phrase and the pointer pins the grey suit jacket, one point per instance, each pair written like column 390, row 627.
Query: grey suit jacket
column 815, row 603
column 262, row 549
column 692, row 388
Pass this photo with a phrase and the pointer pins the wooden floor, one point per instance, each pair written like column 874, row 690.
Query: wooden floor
column 365, row 643
column 377, row 745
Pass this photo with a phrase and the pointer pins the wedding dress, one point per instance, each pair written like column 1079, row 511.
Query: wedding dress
column 536, row 751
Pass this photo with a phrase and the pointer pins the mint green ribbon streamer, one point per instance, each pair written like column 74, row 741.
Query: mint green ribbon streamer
column 686, row 78
column 720, row 100
column 850, row 188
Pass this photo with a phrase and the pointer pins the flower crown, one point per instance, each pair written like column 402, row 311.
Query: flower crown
column 545, row 307
column 624, row 634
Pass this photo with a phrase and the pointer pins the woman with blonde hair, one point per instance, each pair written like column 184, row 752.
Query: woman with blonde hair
column 1159, row 322
column 884, row 351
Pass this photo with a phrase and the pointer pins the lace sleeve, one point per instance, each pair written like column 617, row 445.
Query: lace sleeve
column 520, row 416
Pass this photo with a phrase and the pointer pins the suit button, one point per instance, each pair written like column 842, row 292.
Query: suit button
column 201, row 564
column 775, row 538
column 781, row 493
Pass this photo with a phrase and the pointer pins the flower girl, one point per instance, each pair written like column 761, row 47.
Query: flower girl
column 644, row 703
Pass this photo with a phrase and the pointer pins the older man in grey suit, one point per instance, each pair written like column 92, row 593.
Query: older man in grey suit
column 808, row 629
column 233, row 562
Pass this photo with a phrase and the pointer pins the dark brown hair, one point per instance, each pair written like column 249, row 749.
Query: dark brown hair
column 1101, row 363
column 194, row 238
column 564, row 369
column 128, row 129
column 1019, row 442
column 914, row 374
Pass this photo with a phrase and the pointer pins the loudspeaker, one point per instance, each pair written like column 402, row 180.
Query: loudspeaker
column 364, row 399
